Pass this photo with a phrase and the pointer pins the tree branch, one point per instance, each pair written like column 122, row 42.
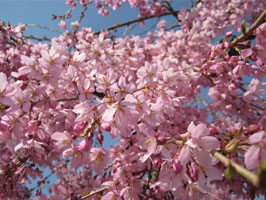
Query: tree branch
column 92, row 193
column 134, row 21
column 248, row 175
column 250, row 30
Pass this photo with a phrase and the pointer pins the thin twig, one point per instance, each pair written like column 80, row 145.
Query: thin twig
column 92, row 193
column 44, row 27
column 133, row 21
column 82, row 15
column 31, row 37
column 65, row 99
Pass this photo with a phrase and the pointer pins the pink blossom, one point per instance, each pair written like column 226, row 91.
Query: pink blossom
column 99, row 159
column 256, row 153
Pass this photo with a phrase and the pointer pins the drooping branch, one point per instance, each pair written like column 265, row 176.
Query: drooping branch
column 92, row 193
column 248, row 175
column 135, row 21
column 44, row 27
column 31, row 37
column 250, row 30
column 82, row 15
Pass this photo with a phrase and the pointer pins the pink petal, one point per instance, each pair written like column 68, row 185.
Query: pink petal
column 67, row 153
column 252, row 157
column 209, row 142
column 257, row 137
column 184, row 155
column 151, row 149
column 59, row 136
column 200, row 131
column 214, row 173
column 3, row 82
column 202, row 157
column 108, row 115
column 45, row 55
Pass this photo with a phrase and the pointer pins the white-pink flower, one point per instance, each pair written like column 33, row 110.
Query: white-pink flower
column 256, row 153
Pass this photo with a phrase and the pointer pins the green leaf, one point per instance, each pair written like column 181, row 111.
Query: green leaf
column 262, row 175
column 239, row 132
column 229, row 172
column 243, row 27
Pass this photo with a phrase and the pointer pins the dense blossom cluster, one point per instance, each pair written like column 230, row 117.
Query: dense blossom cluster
column 58, row 99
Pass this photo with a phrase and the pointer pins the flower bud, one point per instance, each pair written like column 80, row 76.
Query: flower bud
column 161, row 140
column 253, row 128
column 228, row 34
column 213, row 130
column 226, row 44
column 177, row 167
column 100, row 138
column 231, row 146
column 84, row 145
column 193, row 172
column 106, row 126
column 3, row 125
column 79, row 127
column 156, row 161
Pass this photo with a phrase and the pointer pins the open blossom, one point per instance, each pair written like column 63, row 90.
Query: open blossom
column 63, row 140
column 5, row 91
column 197, row 145
column 99, row 159
column 256, row 153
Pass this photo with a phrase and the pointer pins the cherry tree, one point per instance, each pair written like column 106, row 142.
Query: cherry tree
column 187, row 105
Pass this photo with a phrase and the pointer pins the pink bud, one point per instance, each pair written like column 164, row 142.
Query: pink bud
column 116, row 166
column 69, row 2
column 4, row 126
column 161, row 140
column 213, row 130
column 22, row 86
column 100, row 138
column 177, row 167
column 22, row 77
column 156, row 161
column 226, row 44
column 79, row 127
column 228, row 34
column 84, row 145
column 253, row 129
column 106, row 126
column 193, row 172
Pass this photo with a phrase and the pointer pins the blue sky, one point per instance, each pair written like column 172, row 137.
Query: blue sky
column 40, row 12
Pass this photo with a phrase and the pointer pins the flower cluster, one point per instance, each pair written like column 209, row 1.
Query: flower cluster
column 57, row 100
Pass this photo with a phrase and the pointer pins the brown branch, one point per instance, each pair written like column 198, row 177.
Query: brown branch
column 82, row 15
column 134, row 21
column 248, row 175
column 31, row 37
column 92, row 193
column 250, row 30
column 65, row 99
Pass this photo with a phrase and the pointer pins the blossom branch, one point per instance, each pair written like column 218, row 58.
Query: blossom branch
column 66, row 99
column 82, row 15
column 31, row 37
column 134, row 21
column 44, row 27
column 248, row 175
column 250, row 30
column 92, row 193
